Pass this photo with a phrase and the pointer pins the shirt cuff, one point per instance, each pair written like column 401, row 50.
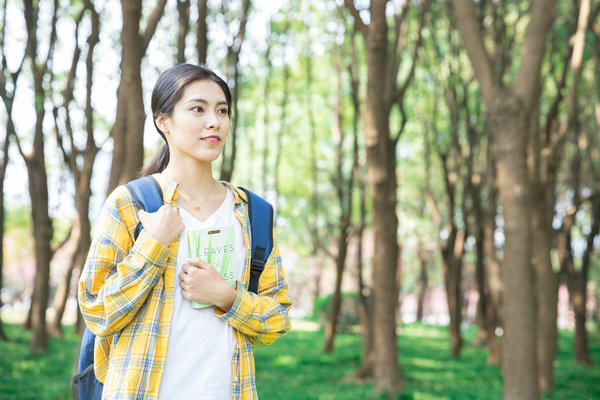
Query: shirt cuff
column 151, row 249
column 235, row 312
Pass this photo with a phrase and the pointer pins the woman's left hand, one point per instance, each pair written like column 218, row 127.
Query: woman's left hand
column 201, row 282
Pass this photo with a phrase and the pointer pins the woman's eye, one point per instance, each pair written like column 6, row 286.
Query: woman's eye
column 223, row 111
column 198, row 109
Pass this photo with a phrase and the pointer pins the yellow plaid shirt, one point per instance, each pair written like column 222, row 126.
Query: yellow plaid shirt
column 126, row 297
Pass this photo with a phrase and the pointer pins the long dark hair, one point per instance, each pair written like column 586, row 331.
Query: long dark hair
column 166, row 93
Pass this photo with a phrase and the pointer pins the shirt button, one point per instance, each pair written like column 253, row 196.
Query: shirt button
column 236, row 380
column 230, row 319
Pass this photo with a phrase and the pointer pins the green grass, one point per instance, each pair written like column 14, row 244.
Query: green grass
column 295, row 368
column 36, row 377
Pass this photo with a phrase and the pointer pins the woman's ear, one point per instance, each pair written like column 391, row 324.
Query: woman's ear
column 162, row 124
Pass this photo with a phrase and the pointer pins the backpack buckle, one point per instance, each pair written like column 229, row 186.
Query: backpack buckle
column 256, row 267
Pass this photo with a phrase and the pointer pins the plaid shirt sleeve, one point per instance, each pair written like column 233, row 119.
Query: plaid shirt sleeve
column 262, row 317
column 118, row 274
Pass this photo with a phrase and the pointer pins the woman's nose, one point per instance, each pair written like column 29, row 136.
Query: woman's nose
column 212, row 120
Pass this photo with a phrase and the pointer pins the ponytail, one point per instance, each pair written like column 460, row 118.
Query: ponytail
column 158, row 162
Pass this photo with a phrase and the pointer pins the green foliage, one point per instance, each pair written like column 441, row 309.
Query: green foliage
column 348, row 315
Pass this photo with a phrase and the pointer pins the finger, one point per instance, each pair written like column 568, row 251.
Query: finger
column 198, row 262
column 187, row 268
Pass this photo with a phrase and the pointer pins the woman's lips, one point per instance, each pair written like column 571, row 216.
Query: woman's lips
column 211, row 139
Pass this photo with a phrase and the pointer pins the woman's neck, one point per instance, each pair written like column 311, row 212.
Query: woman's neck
column 195, row 179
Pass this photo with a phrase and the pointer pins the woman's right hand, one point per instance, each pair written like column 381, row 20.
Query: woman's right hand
column 164, row 225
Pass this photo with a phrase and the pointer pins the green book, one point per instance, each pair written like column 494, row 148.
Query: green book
column 216, row 246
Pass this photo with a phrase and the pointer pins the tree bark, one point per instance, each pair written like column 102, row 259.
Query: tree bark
column 233, row 75
column 37, row 179
column 381, row 170
column 423, row 255
column 493, row 266
column 128, row 129
column 202, row 33
column 183, row 27
column 7, row 94
column 382, row 93
column 510, row 112
column 343, row 187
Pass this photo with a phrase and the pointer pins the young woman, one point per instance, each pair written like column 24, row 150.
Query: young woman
column 139, row 296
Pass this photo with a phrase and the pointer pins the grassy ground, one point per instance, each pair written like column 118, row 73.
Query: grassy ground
column 294, row 368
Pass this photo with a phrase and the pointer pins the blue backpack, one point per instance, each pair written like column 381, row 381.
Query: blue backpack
column 148, row 195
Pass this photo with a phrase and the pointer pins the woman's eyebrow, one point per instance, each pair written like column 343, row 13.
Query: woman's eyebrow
column 199, row 100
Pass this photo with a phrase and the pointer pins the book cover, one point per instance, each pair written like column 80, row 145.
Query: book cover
column 216, row 246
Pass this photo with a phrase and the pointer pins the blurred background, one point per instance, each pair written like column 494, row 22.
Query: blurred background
column 434, row 167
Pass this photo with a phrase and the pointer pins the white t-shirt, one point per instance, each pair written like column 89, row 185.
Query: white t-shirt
column 201, row 346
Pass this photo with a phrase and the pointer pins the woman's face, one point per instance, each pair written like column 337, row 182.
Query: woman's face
column 199, row 124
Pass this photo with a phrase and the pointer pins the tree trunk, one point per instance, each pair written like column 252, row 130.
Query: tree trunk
column 423, row 255
column 233, row 75
column 382, row 92
column 283, row 117
column 452, row 266
column 493, row 268
column 381, row 170
column 8, row 102
column 37, row 179
column 520, row 355
column 80, row 161
column 578, row 296
column 42, row 233
column 183, row 27
column 344, row 197
column 128, row 130
column 202, row 33
column 510, row 110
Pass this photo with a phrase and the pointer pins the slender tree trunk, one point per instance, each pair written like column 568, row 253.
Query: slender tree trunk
column 7, row 96
column 233, row 71
column 3, row 165
column 283, row 117
column 128, row 130
column 493, row 266
column 266, row 171
column 37, row 179
column 183, row 27
column 344, row 192
column 365, row 309
column 423, row 256
column 202, row 33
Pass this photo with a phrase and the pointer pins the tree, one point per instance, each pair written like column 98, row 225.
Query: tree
column 128, row 129
column 202, row 31
column 232, row 70
column 8, row 80
column 183, row 27
column 80, row 161
column 383, row 62
column 35, row 162
column 344, row 184
column 511, row 109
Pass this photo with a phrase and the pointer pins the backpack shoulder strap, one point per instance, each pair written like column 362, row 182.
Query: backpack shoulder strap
column 147, row 194
column 260, row 213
